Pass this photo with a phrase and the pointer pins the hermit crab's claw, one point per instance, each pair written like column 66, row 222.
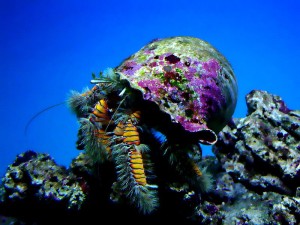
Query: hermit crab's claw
column 207, row 137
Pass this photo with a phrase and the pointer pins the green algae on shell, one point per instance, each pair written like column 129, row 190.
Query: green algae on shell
column 188, row 79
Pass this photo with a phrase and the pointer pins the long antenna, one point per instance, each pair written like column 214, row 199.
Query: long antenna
column 115, row 112
column 39, row 113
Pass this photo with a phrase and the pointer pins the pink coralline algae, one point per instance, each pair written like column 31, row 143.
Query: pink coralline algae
column 154, row 86
column 131, row 67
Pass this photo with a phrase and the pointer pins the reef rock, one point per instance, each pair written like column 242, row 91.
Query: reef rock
column 34, row 182
column 255, row 171
column 262, row 152
column 231, row 203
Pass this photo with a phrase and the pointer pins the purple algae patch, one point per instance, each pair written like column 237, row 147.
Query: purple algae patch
column 153, row 64
column 211, row 68
column 283, row 108
column 154, row 86
column 130, row 67
column 190, row 126
column 195, row 87
column 209, row 94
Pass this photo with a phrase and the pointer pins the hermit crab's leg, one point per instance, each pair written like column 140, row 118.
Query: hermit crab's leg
column 97, row 125
column 93, row 133
column 200, row 178
column 106, row 83
column 132, row 167
column 80, row 103
column 182, row 158
column 101, row 112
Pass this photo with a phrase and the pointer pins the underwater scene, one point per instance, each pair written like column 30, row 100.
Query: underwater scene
column 149, row 112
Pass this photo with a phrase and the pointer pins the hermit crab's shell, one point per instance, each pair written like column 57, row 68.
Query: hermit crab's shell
column 187, row 78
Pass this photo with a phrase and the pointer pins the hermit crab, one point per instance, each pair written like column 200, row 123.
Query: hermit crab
column 163, row 101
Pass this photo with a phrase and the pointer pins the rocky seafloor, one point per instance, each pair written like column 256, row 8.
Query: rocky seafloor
column 256, row 171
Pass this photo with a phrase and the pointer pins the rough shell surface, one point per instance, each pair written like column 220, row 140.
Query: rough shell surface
column 187, row 78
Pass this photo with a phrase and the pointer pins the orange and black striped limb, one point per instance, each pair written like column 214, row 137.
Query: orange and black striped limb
column 119, row 129
column 196, row 169
column 90, row 92
column 131, row 134
column 103, row 138
column 137, row 167
column 118, row 132
column 135, row 116
column 101, row 111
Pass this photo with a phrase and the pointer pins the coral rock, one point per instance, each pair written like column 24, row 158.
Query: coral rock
column 35, row 176
column 262, row 150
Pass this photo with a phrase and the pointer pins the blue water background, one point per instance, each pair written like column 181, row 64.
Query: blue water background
column 48, row 48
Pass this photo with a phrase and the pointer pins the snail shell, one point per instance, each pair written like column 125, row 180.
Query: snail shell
column 188, row 79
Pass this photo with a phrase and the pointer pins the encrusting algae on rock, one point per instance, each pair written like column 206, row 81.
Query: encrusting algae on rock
column 161, row 102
